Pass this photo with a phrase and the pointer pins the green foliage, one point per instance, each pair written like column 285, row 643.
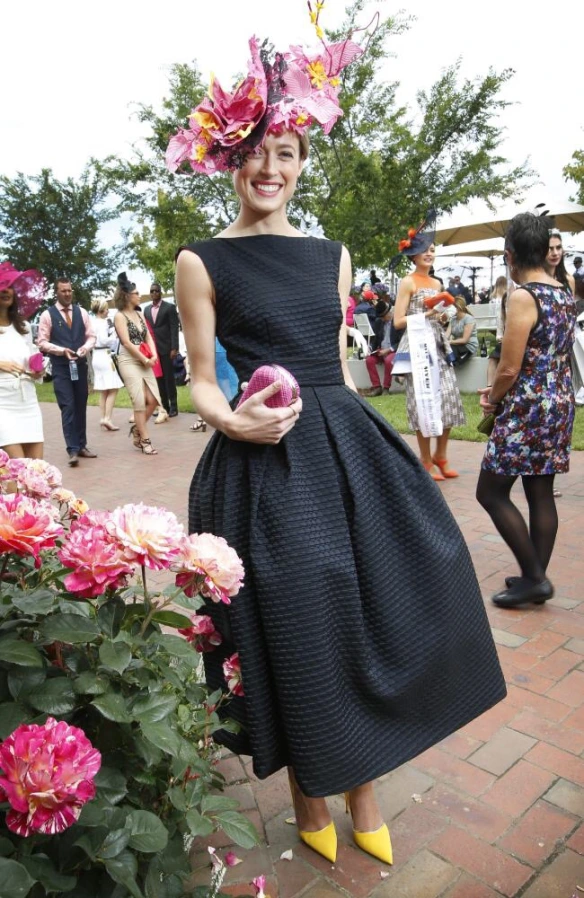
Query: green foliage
column 105, row 665
column 376, row 174
column 574, row 171
column 54, row 226
column 383, row 166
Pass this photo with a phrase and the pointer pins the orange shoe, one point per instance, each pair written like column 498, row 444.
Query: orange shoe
column 442, row 463
column 433, row 472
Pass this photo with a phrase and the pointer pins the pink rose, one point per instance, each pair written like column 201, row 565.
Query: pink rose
column 26, row 526
column 232, row 674
column 202, row 634
column 33, row 476
column 149, row 536
column 98, row 563
column 47, row 777
column 209, row 565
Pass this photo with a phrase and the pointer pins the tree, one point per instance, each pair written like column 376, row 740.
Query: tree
column 54, row 226
column 574, row 171
column 374, row 176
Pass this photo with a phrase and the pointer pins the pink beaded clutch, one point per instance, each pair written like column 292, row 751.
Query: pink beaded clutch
column 36, row 362
column 265, row 376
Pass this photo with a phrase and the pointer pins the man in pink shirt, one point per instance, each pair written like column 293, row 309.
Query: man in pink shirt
column 65, row 333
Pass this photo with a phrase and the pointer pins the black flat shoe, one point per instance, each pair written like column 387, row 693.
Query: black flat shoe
column 511, row 581
column 523, row 592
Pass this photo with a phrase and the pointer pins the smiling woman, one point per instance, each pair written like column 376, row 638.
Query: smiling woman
column 331, row 686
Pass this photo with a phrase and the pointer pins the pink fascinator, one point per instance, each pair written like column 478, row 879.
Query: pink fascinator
column 282, row 92
column 30, row 287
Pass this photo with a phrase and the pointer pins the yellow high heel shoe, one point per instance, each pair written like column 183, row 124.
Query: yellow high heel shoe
column 323, row 841
column 377, row 843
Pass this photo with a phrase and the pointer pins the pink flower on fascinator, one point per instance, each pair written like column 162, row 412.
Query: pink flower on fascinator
column 231, row 117
column 313, row 84
column 221, row 121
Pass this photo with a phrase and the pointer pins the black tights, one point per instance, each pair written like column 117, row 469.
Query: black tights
column 533, row 548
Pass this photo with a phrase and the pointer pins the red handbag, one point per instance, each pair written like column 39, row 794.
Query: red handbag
column 265, row 376
column 145, row 350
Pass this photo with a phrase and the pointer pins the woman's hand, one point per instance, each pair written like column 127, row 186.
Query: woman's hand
column 12, row 368
column 255, row 422
column 488, row 407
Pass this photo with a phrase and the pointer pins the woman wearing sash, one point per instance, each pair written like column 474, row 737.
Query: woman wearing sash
column 433, row 400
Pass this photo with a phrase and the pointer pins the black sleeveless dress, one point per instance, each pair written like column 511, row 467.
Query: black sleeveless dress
column 361, row 630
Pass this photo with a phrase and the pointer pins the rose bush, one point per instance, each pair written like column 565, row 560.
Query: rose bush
column 107, row 765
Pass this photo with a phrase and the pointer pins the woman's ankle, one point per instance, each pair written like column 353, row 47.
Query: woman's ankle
column 312, row 814
column 364, row 809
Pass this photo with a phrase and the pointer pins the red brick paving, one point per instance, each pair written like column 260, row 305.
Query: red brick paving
column 498, row 805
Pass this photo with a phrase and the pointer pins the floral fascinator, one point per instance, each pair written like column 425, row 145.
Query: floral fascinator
column 418, row 239
column 281, row 92
column 30, row 287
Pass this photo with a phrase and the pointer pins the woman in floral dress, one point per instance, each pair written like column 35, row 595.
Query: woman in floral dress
column 533, row 401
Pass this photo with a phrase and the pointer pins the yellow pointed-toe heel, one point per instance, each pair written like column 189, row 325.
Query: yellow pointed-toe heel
column 376, row 843
column 323, row 841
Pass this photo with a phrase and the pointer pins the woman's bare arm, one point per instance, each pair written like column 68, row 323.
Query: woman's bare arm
column 345, row 278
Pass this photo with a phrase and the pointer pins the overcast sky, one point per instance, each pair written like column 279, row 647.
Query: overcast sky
column 72, row 71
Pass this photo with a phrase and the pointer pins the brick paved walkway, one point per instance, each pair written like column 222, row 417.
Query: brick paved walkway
column 493, row 810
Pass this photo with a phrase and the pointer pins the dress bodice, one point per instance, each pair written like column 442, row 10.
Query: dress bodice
column 277, row 300
column 551, row 340
column 15, row 347
column 136, row 335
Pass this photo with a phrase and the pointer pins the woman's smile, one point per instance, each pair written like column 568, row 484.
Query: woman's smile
column 266, row 188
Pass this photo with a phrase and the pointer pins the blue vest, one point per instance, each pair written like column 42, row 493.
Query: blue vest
column 70, row 337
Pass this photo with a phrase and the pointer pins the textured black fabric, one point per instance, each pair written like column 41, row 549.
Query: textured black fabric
column 361, row 630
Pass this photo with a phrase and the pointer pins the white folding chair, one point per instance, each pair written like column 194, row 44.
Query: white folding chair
column 363, row 325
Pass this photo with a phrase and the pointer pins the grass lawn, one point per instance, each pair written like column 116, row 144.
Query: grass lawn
column 46, row 393
column 393, row 408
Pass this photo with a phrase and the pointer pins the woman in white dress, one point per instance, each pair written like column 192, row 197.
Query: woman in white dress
column 106, row 379
column 21, row 423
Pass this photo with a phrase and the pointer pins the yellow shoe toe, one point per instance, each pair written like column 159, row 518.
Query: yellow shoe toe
column 377, row 844
column 324, row 841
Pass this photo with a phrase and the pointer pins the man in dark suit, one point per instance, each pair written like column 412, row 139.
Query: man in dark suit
column 66, row 334
column 163, row 318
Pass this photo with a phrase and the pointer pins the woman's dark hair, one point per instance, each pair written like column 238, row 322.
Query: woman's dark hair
column 14, row 316
column 561, row 274
column 528, row 237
